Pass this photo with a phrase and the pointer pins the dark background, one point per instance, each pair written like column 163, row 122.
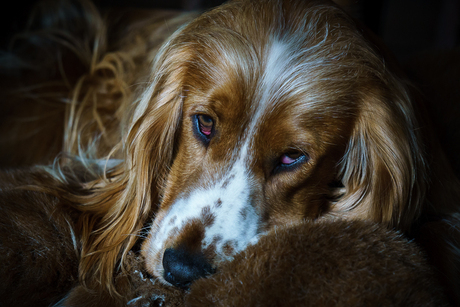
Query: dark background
column 423, row 34
column 408, row 27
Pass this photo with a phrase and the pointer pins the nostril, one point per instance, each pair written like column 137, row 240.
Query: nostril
column 181, row 268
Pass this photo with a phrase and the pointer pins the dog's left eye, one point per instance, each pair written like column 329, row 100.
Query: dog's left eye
column 290, row 161
column 291, row 158
column 204, row 126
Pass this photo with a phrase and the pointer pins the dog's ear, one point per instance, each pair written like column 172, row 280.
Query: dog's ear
column 117, row 207
column 383, row 170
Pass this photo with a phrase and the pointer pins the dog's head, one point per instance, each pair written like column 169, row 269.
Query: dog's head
column 266, row 113
column 263, row 113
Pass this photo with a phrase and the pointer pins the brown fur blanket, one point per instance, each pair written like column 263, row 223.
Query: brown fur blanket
column 331, row 263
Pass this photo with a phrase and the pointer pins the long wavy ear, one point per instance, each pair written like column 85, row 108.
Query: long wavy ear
column 116, row 207
column 383, row 170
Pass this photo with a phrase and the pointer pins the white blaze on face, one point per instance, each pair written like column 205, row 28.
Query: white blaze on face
column 228, row 200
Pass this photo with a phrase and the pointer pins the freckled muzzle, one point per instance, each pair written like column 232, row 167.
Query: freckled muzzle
column 199, row 230
column 191, row 239
column 187, row 257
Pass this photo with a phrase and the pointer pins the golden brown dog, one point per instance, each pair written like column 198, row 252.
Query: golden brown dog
column 253, row 115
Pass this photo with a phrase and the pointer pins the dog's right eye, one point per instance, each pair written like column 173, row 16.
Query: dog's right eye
column 204, row 127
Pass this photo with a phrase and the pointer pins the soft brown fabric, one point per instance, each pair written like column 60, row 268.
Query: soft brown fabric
column 38, row 249
column 135, row 289
column 330, row 263
column 323, row 264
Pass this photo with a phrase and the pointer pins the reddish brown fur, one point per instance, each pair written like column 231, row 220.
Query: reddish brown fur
column 39, row 249
column 366, row 133
column 325, row 260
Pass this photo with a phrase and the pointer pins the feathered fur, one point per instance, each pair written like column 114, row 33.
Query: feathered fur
column 371, row 155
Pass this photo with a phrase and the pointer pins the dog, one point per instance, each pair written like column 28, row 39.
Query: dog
column 253, row 115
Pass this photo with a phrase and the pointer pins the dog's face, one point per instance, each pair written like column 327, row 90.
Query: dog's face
column 268, row 110
column 248, row 158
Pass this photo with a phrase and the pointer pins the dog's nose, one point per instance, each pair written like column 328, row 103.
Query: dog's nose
column 181, row 268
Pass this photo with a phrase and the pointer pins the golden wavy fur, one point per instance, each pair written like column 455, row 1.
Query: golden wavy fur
column 91, row 92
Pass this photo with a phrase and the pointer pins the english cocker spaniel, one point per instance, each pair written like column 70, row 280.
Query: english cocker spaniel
column 190, row 144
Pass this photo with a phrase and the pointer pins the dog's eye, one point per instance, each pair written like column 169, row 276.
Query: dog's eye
column 291, row 157
column 204, row 126
column 290, row 160
column 206, row 123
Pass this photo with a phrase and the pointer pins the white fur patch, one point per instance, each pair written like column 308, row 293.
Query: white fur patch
column 236, row 221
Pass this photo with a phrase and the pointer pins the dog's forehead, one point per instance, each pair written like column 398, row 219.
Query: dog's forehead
column 255, row 82
column 284, row 83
